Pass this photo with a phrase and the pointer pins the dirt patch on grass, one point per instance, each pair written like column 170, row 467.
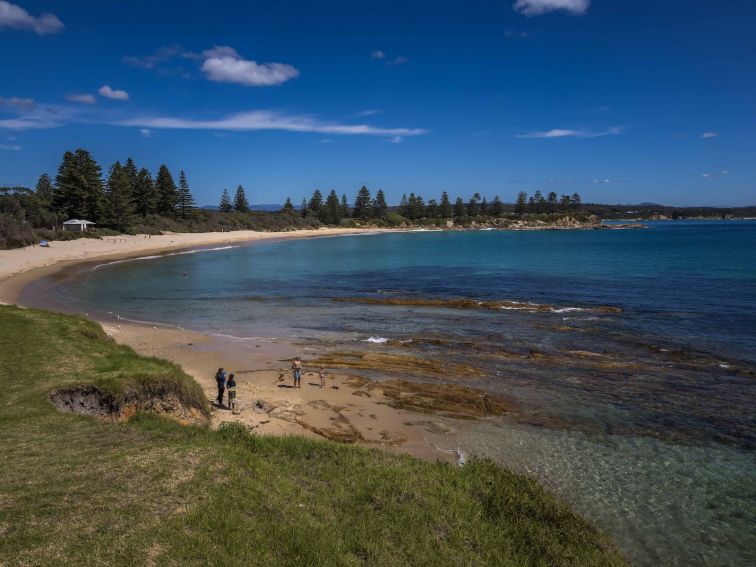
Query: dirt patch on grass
column 89, row 400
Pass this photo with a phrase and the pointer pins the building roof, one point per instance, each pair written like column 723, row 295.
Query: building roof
column 77, row 221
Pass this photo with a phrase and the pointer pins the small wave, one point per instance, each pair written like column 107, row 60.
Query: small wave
column 225, row 336
column 155, row 256
column 376, row 340
column 567, row 309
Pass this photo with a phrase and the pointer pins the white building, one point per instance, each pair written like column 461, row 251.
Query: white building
column 77, row 225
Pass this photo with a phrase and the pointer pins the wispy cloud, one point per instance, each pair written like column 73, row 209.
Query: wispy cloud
column 146, row 132
column 709, row 135
column 12, row 16
column 400, row 60
column 28, row 123
column 162, row 55
column 10, row 147
column 606, row 181
column 538, row 7
column 115, row 94
column 224, row 65
column 269, row 120
column 368, row 112
column 719, row 173
column 564, row 133
column 379, row 55
column 17, row 103
column 82, row 98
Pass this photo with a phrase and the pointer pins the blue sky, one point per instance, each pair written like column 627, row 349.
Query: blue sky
column 620, row 100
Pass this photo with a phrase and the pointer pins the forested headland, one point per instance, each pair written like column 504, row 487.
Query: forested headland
column 128, row 199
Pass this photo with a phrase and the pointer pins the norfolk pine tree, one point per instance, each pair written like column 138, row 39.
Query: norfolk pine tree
column 225, row 202
column 362, row 204
column 380, row 207
column 144, row 193
column 167, row 194
column 119, row 206
column 185, row 203
column 445, row 208
column 240, row 200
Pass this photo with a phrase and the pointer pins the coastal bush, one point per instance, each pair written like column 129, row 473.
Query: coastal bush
column 151, row 491
column 14, row 233
column 395, row 219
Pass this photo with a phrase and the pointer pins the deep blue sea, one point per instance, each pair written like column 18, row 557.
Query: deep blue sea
column 642, row 416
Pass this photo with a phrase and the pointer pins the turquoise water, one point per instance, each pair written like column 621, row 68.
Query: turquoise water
column 643, row 419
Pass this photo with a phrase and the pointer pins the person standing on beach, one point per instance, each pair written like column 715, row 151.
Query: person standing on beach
column 322, row 375
column 296, row 367
column 220, row 380
column 231, row 387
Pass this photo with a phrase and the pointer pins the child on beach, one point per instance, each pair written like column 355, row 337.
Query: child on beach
column 296, row 367
column 322, row 375
column 231, row 389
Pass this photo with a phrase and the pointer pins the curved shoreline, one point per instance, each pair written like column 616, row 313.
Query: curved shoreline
column 20, row 267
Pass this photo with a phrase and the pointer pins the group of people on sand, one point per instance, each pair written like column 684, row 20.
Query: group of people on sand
column 296, row 369
column 226, row 385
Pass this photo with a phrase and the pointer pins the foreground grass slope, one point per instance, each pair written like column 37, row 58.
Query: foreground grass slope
column 76, row 491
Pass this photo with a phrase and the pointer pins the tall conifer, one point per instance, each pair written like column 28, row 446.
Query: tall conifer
column 119, row 205
column 240, row 200
column 185, row 204
column 167, row 194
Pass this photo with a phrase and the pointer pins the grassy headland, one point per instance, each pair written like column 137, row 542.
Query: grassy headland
column 78, row 490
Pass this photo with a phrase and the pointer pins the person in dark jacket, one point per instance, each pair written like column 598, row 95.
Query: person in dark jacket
column 220, row 379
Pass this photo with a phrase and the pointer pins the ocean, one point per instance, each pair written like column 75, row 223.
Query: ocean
column 631, row 354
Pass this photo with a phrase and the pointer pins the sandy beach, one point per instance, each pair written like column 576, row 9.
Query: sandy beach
column 349, row 409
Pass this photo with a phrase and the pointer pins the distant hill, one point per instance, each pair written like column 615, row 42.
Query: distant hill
column 262, row 207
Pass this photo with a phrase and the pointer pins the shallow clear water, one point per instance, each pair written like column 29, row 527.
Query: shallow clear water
column 642, row 419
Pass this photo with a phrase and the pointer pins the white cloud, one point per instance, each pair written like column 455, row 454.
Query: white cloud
column 12, row 16
column 82, row 98
column 224, row 65
column 268, row 120
column 709, row 135
column 401, row 60
column 10, row 147
column 115, row 94
column 724, row 172
column 368, row 112
column 563, row 133
column 377, row 54
column 15, row 102
column 146, row 132
column 706, row 175
column 538, row 7
column 28, row 123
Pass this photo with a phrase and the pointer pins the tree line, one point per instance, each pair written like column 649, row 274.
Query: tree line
column 332, row 210
column 79, row 191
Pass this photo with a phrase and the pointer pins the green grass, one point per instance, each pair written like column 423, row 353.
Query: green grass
column 77, row 491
